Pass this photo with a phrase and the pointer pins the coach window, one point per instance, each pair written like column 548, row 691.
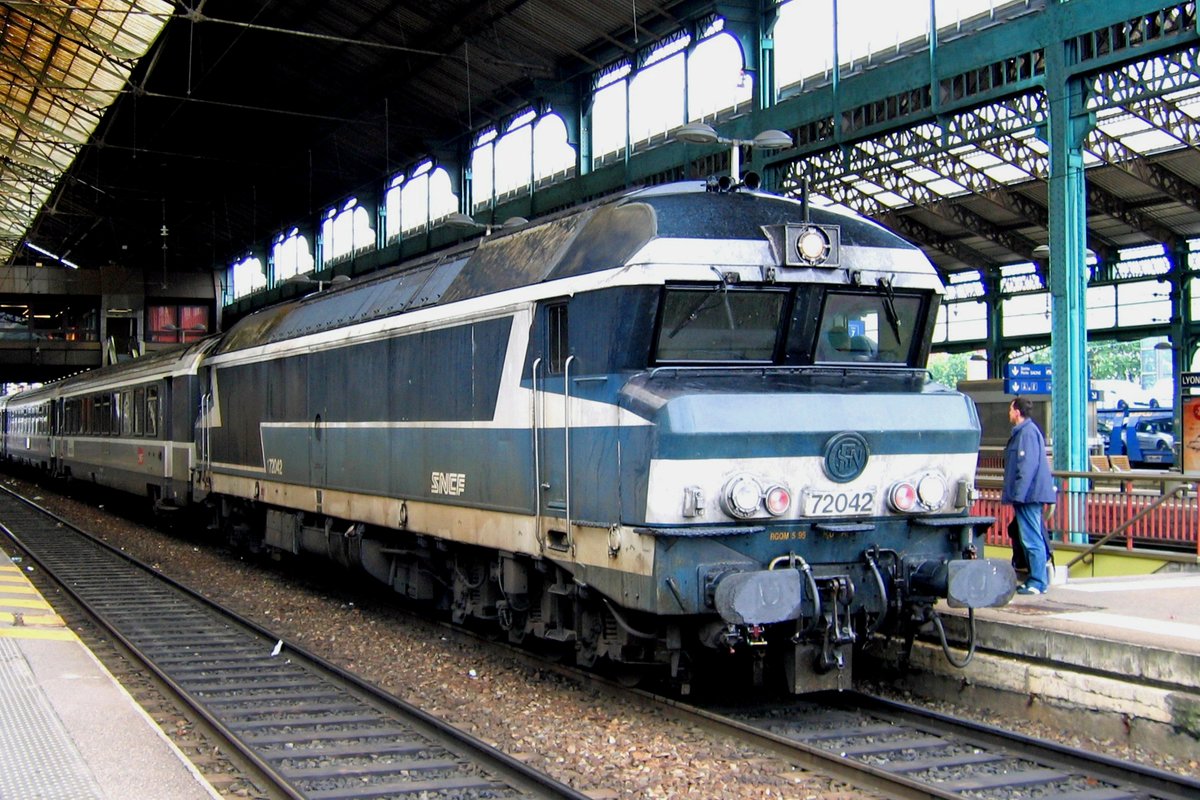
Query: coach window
column 126, row 414
column 139, row 411
column 556, row 339
column 152, row 412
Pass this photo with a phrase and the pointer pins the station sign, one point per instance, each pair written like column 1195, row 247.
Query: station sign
column 1029, row 379
column 1189, row 380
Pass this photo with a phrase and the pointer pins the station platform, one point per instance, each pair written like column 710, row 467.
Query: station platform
column 68, row 730
column 1128, row 647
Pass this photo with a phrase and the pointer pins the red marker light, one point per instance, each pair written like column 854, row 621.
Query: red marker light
column 778, row 500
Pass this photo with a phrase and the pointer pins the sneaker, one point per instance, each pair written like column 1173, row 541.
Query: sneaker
column 1025, row 588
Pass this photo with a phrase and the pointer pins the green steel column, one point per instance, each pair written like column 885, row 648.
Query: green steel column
column 1180, row 278
column 1069, row 124
column 994, row 302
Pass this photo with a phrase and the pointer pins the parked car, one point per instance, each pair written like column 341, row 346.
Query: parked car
column 1156, row 433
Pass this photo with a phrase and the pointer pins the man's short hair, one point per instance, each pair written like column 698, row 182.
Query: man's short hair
column 1024, row 406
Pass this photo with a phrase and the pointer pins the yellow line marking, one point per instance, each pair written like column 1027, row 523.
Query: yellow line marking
column 33, row 619
column 55, row 634
column 26, row 589
column 16, row 602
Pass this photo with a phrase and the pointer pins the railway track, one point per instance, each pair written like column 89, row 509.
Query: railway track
column 309, row 728
column 910, row 752
column 893, row 749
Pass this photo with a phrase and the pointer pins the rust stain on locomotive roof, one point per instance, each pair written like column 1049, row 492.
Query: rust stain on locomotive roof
column 593, row 240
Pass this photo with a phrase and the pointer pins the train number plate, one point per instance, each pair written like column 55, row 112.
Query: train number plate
column 839, row 504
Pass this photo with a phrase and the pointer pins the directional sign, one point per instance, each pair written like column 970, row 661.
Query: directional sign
column 1034, row 371
column 1029, row 386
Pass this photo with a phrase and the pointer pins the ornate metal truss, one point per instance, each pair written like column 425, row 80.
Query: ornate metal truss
column 995, row 152
column 61, row 66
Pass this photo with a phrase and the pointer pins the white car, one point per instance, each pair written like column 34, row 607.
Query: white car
column 1157, row 434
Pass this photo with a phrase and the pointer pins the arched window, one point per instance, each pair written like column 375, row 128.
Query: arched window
column 482, row 165
column 414, row 200
column 552, row 153
column 514, row 155
column 609, row 103
column 803, row 42
column 442, row 200
column 716, row 77
column 291, row 255
column 245, row 277
column 656, row 93
column 346, row 231
column 391, row 210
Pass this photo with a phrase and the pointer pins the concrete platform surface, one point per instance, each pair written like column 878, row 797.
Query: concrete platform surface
column 1126, row 647
column 1154, row 610
column 68, row 730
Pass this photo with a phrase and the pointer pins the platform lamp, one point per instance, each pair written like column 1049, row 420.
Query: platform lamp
column 307, row 280
column 465, row 222
column 703, row 133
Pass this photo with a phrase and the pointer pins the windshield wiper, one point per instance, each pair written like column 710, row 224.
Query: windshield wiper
column 889, row 306
column 695, row 310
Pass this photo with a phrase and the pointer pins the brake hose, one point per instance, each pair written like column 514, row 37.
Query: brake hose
column 937, row 623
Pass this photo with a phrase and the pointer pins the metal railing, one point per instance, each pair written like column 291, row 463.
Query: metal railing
column 1139, row 509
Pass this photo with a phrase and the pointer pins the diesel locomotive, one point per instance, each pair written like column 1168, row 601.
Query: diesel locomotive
column 674, row 422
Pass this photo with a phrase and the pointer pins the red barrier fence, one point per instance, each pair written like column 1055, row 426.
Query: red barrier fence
column 1093, row 505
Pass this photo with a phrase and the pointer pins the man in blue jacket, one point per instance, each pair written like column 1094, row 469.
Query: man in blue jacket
column 1028, row 486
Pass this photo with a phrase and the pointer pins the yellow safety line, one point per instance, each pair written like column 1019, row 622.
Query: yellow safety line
column 32, row 619
column 14, row 589
column 17, row 602
column 56, row 634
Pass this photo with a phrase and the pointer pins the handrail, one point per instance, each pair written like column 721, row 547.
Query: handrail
column 537, row 457
column 567, row 440
column 1160, row 476
column 1125, row 525
column 206, row 408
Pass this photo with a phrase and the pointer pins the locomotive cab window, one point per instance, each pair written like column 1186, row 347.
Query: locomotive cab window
column 720, row 324
column 858, row 327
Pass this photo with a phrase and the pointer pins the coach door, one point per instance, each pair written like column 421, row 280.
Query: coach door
column 552, row 429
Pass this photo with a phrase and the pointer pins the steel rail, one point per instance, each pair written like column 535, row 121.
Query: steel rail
column 503, row 772
column 1101, row 766
column 892, row 742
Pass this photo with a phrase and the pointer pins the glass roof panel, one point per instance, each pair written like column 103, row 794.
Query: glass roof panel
column 61, row 66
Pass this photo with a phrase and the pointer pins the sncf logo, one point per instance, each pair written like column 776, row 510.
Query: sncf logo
column 453, row 483
column 845, row 456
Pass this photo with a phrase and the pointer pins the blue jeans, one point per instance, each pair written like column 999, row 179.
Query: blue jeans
column 1029, row 523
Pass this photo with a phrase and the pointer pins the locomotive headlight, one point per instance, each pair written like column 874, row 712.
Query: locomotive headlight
column 778, row 500
column 931, row 491
column 741, row 497
column 902, row 496
column 812, row 245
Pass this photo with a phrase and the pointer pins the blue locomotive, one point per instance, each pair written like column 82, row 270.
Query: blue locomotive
column 675, row 421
